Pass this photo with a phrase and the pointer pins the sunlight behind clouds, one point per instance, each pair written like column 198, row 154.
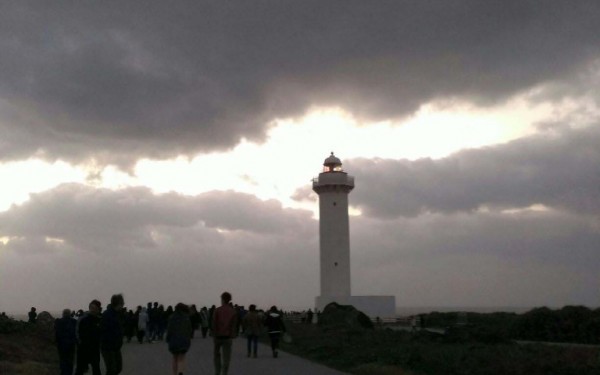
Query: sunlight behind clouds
column 295, row 148
column 293, row 152
column 19, row 179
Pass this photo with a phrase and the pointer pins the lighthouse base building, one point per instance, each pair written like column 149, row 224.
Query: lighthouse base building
column 333, row 186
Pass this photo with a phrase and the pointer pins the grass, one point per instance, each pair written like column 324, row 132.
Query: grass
column 385, row 352
column 27, row 349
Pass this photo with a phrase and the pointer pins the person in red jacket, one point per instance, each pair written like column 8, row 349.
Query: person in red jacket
column 224, row 323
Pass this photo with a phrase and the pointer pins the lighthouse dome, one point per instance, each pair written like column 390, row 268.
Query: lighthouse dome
column 332, row 164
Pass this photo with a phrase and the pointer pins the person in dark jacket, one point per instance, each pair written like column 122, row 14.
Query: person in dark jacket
column 130, row 325
column 195, row 319
column 66, row 341
column 112, row 335
column 88, row 337
column 179, row 335
column 275, row 327
column 252, row 325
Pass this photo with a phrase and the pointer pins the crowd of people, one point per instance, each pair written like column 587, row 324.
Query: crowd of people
column 83, row 338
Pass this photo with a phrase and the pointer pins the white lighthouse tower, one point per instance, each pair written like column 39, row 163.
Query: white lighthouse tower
column 333, row 186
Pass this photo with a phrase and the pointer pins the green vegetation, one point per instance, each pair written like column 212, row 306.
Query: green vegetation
column 27, row 349
column 468, row 349
column 571, row 324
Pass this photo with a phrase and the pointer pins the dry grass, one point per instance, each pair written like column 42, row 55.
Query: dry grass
column 28, row 350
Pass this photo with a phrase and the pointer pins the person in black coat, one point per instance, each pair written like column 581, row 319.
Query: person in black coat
column 66, row 341
column 275, row 327
column 88, row 337
column 130, row 325
column 179, row 334
column 112, row 335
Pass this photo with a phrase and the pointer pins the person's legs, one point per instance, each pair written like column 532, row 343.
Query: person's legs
column 119, row 361
column 66, row 364
column 174, row 364
column 226, row 355
column 140, row 336
column 255, row 345
column 81, row 361
column 274, row 343
column 217, row 356
column 113, row 361
column 180, row 362
column 204, row 331
column 70, row 360
column 249, row 344
column 94, row 358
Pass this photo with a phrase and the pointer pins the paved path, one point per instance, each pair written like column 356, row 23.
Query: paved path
column 155, row 359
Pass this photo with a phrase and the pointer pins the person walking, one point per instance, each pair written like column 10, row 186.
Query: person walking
column 142, row 324
column 130, row 325
column 179, row 335
column 195, row 319
column 66, row 341
column 88, row 336
column 112, row 335
column 252, row 324
column 204, row 322
column 275, row 327
column 224, row 325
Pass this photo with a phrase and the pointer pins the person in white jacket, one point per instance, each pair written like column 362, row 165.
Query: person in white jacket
column 143, row 320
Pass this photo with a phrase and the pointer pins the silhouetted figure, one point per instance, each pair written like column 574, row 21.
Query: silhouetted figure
column 211, row 313
column 153, row 314
column 66, row 341
column 275, row 327
column 88, row 335
column 3, row 316
column 204, row 321
column 309, row 316
column 130, row 325
column 32, row 315
column 194, row 318
column 162, row 322
column 224, row 325
column 112, row 335
column 143, row 320
column 252, row 324
column 179, row 334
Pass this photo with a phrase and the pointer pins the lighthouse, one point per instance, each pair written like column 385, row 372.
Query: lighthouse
column 333, row 185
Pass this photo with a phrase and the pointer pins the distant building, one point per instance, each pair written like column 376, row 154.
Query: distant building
column 333, row 187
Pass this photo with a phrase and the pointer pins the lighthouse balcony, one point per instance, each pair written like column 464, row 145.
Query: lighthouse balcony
column 339, row 178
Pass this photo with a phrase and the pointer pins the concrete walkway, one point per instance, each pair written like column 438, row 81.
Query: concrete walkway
column 155, row 359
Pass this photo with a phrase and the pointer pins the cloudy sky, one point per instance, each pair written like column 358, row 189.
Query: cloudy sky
column 165, row 150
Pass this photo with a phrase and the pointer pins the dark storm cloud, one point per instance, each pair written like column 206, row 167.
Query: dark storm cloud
column 555, row 169
column 170, row 248
column 483, row 258
column 107, row 221
column 125, row 79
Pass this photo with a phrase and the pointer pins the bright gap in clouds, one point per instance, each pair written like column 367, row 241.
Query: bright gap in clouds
column 19, row 179
column 293, row 152
column 295, row 148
